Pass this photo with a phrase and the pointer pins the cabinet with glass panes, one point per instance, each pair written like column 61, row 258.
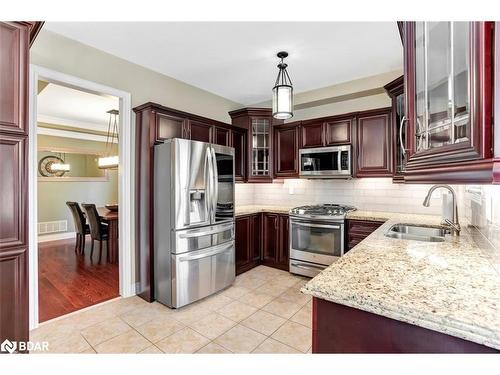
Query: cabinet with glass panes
column 259, row 122
column 447, row 96
column 260, row 129
column 442, row 84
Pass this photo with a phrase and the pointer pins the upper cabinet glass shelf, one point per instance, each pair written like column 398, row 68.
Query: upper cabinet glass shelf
column 442, row 79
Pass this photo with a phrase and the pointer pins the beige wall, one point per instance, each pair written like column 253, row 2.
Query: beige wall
column 64, row 55
column 52, row 196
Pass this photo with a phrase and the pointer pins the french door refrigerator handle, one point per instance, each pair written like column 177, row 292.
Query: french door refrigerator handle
column 205, row 254
column 215, row 192
column 210, row 187
column 207, row 184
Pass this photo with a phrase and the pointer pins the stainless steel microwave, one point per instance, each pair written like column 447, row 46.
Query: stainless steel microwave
column 326, row 162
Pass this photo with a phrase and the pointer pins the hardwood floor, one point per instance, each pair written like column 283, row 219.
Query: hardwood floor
column 68, row 281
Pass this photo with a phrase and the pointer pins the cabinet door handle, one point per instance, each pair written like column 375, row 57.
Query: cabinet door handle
column 403, row 150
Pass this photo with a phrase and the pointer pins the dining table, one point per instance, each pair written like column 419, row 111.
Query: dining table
column 111, row 218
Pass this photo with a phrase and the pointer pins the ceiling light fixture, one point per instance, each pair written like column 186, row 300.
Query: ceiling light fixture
column 109, row 161
column 282, row 91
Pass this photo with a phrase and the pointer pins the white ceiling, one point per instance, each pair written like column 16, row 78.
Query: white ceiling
column 237, row 60
column 66, row 106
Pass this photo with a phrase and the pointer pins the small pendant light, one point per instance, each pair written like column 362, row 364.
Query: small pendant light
column 110, row 161
column 283, row 91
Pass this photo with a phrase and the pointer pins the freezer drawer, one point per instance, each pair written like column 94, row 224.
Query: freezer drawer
column 198, row 274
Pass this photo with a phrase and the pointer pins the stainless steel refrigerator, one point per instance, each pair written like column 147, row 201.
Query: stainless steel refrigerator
column 193, row 220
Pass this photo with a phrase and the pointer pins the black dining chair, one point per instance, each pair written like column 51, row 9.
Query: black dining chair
column 98, row 229
column 81, row 226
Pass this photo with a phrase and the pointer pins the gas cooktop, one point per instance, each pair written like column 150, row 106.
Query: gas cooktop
column 322, row 211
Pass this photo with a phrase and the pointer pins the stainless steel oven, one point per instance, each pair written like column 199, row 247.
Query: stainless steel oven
column 316, row 237
column 326, row 162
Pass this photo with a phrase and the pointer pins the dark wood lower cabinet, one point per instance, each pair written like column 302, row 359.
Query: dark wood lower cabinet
column 247, row 242
column 275, row 241
column 358, row 230
column 283, row 258
column 261, row 238
column 341, row 329
column 270, row 238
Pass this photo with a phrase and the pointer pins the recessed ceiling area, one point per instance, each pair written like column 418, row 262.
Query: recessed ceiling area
column 237, row 60
column 66, row 106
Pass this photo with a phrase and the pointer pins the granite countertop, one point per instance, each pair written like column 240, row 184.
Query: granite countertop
column 354, row 215
column 449, row 287
column 253, row 209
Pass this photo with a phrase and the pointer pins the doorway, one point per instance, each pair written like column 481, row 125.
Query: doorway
column 87, row 280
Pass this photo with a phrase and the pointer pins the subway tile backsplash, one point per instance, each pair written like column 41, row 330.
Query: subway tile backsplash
column 482, row 211
column 374, row 194
column 478, row 206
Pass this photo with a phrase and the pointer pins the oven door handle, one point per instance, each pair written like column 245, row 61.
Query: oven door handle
column 316, row 225
column 310, row 267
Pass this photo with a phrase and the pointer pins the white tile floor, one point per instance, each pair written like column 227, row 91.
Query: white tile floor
column 263, row 312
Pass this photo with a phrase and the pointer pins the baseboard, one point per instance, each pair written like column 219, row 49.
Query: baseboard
column 56, row 236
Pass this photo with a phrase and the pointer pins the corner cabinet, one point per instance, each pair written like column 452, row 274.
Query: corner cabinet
column 448, row 102
column 259, row 124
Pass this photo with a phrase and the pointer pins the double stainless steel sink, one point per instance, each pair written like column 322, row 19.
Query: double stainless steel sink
column 417, row 233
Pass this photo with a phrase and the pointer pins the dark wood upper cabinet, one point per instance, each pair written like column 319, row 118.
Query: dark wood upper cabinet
column 168, row 126
column 312, row 134
column 338, row 132
column 238, row 138
column 15, row 39
column 374, row 143
column 286, row 151
column 259, row 124
column 221, row 136
column 395, row 89
column 448, row 73
column 327, row 131
column 199, row 131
